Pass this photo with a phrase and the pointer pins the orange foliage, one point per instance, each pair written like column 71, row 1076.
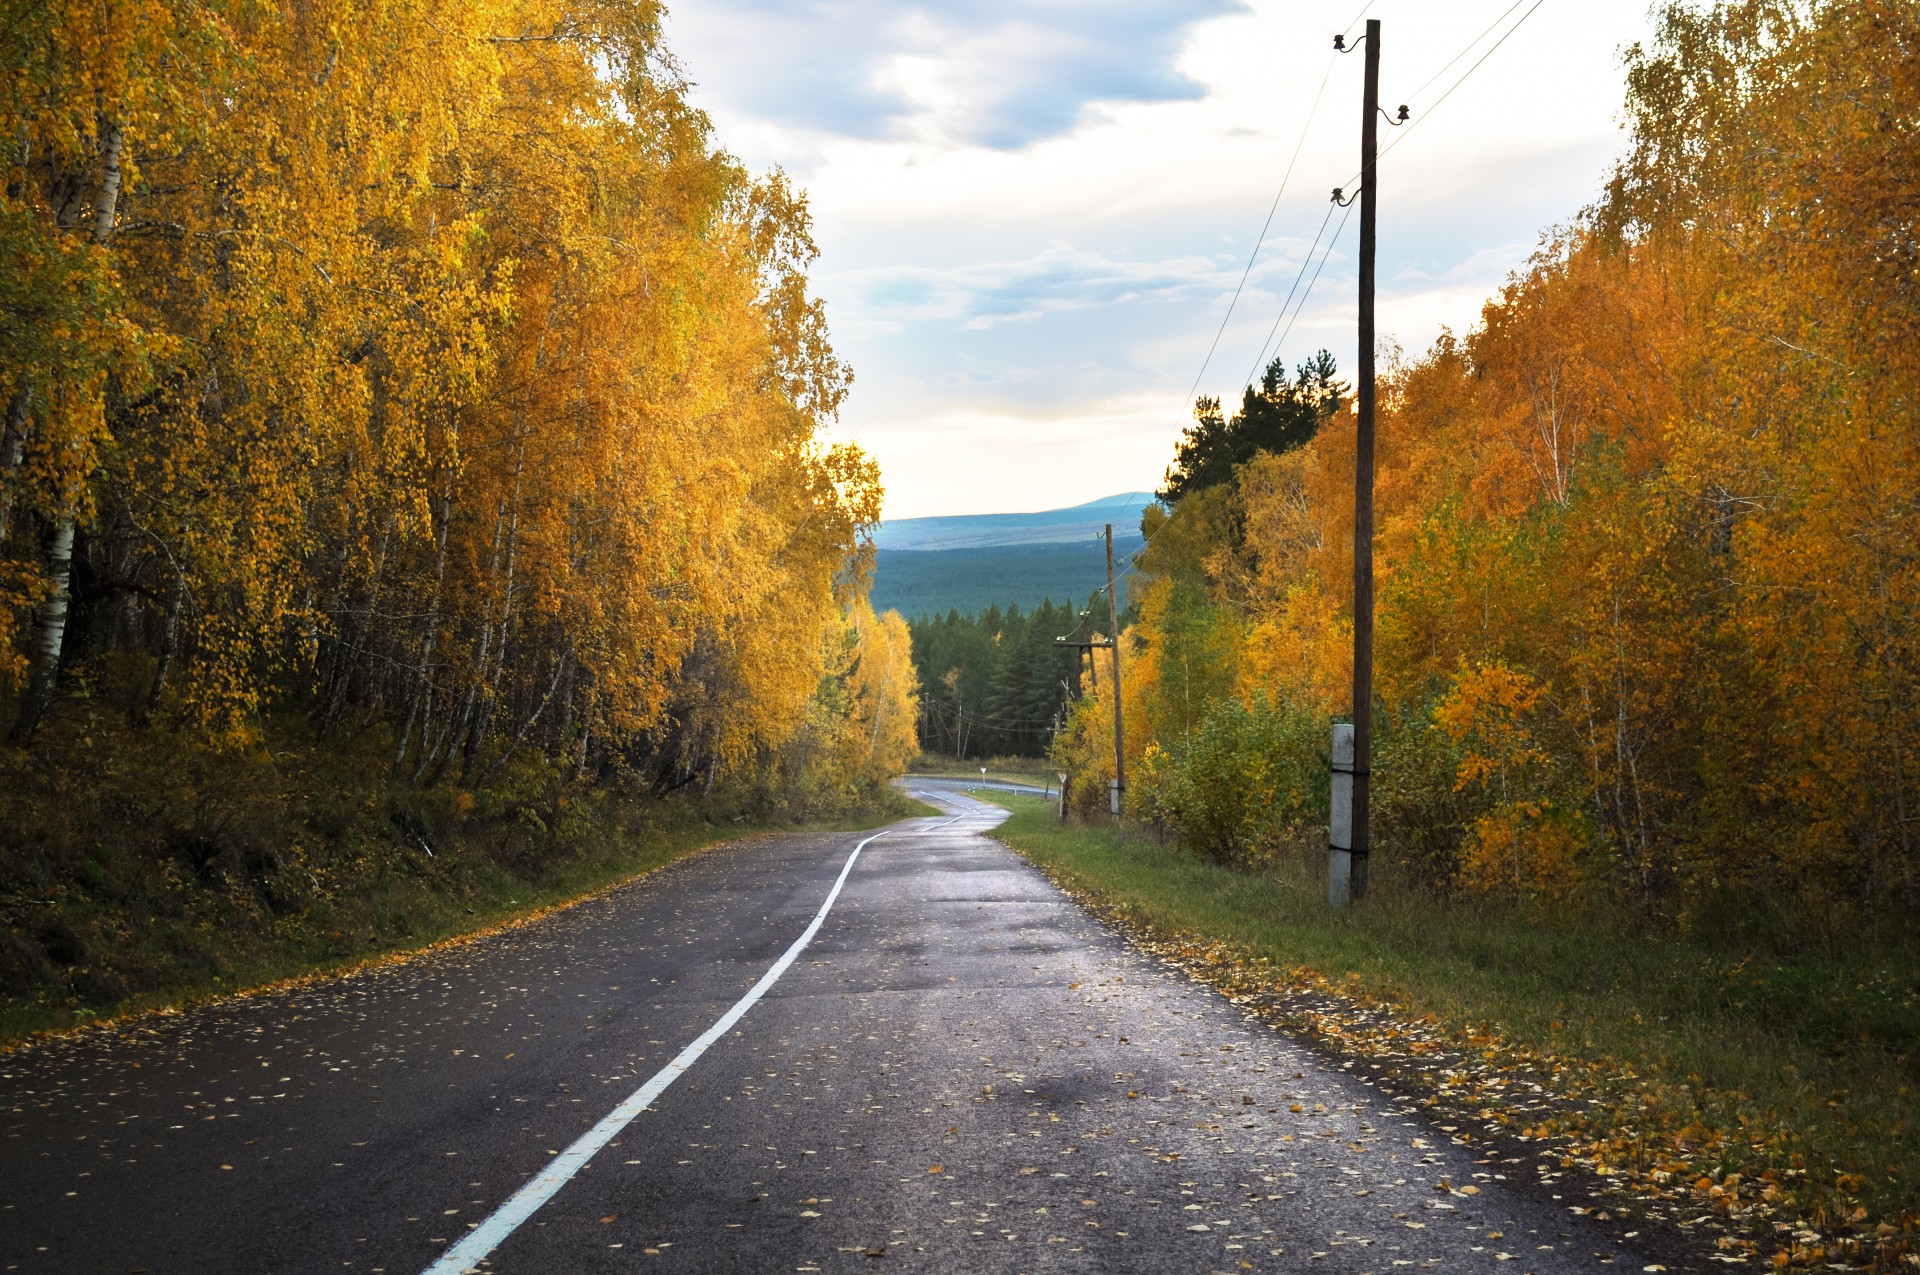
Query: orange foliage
column 1648, row 538
column 426, row 368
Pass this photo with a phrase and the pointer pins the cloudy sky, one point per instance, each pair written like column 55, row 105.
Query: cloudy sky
column 1033, row 215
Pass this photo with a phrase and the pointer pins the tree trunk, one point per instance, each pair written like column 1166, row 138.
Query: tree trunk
column 560, row 672
column 586, row 734
column 169, row 643
column 423, row 687
column 483, row 717
column 51, row 623
column 13, row 446
column 108, row 204
column 51, row 632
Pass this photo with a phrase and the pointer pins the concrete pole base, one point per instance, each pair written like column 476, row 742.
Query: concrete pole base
column 1339, row 877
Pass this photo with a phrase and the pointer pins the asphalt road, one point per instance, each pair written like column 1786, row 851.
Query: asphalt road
column 962, row 1071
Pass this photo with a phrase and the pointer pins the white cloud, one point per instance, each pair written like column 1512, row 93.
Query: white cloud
column 1033, row 212
column 1001, row 74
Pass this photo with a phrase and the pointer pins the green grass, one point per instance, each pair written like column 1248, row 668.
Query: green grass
column 1813, row 1059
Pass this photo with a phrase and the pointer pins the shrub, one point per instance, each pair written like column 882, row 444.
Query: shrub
column 1252, row 773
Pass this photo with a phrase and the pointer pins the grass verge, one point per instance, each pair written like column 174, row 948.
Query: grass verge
column 1769, row 1102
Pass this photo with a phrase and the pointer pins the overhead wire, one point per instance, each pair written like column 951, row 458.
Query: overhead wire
column 1259, row 242
column 1464, row 77
column 1130, row 569
column 1017, row 725
column 1260, row 359
column 1448, row 64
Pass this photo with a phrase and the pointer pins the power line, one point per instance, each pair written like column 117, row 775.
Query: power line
column 1428, row 83
column 1017, row 725
column 1425, row 114
column 1259, row 240
column 1465, row 76
column 1131, row 570
column 1364, row 9
column 1261, row 358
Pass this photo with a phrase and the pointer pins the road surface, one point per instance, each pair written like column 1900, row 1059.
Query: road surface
column 961, row 1070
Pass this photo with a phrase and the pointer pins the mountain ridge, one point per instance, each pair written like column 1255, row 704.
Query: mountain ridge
column 1044, row 526
column 968, row 562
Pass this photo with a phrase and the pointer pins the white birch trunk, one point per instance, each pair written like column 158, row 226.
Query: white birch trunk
column 51, row 622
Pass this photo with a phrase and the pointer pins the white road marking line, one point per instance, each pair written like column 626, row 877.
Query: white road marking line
column 503, row 1221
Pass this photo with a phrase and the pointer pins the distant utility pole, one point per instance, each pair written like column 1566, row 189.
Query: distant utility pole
column 1119, row 736
column 1347, row 865
column 1119, row 786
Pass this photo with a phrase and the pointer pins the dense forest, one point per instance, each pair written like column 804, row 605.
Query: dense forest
column 1648, row 536
column 430, row 372
column 997, row 684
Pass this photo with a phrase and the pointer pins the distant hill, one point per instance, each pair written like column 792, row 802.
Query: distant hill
column 1048, row 526
column 969, row 562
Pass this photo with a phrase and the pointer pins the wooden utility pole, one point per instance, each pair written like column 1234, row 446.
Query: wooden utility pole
column 1119, row 736
column 1347, row 869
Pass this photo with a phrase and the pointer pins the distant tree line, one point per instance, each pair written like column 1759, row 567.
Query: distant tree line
column 996, row 684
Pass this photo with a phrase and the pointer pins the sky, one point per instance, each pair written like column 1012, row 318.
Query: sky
column 1033, row 216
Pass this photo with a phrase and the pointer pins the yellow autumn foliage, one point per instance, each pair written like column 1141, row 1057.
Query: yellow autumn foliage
column 426, row 366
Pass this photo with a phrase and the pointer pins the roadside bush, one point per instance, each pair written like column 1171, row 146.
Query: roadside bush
column 1252, row 773
column 1419, row 814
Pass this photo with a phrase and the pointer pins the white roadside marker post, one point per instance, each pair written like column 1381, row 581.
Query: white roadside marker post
column 1340, row 825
